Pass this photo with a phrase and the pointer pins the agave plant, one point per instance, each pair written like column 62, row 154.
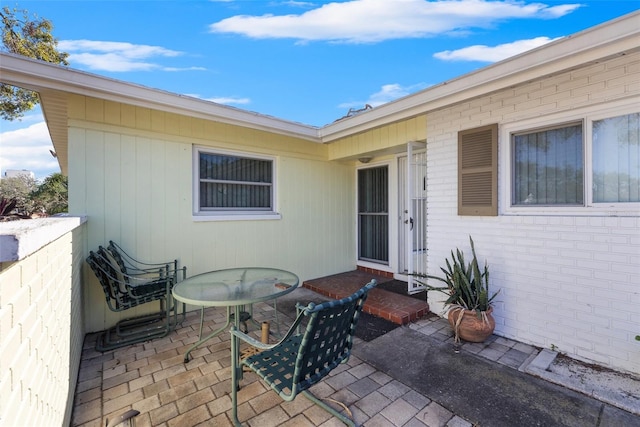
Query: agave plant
column 467, row 286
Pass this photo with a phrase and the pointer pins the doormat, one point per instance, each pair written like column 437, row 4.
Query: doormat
column 400, row 287
column 370, row 327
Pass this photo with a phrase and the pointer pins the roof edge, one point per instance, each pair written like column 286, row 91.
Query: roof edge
column 37, row 75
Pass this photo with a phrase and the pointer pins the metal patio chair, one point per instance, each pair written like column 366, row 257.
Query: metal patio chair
column 128, row 283
column 298, row 361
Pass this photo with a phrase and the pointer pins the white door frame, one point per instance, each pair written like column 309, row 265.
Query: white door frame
column 412, row 192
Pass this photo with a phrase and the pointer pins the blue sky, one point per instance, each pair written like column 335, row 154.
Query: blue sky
column 303, row 61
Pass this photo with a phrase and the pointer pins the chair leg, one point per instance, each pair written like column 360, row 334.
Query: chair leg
column 111, row 339
column 138, row 329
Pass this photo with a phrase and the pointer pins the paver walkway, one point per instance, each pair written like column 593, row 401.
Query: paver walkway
column 152, row 378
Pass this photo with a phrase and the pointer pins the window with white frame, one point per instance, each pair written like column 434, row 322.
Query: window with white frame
column 587, row 162
column 616, row 159
column 548, row 167
column 233, row 183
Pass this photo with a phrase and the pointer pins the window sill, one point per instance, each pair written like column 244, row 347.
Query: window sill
column 609, row 211
column 236, row 217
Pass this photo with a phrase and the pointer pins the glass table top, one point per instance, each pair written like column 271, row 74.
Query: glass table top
column 235, row 286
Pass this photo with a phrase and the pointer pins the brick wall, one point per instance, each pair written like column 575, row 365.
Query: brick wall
column 568, row 281
column 41, row 331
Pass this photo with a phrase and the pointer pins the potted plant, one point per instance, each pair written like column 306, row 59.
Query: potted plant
column 469, row 300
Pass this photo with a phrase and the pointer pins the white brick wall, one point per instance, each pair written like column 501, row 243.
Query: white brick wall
column 570, row 282
column 41, row 333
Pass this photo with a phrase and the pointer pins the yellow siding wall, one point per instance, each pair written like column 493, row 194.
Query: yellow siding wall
column 387, row 139
column 135, row 186
column 41, row 333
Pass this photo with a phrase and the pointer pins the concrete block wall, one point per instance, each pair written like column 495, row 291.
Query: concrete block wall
column 41, row 329
column 568, row 282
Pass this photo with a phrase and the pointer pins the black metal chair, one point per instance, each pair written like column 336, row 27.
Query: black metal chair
column 128, row 283
column 295, row 363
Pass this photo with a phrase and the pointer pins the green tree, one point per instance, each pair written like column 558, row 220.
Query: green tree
column 20, row 189
column 32, row 38
column 22, row 196
column 52, row 194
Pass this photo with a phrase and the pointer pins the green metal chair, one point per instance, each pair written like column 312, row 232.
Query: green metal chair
column 296, row 362
column 128, row 283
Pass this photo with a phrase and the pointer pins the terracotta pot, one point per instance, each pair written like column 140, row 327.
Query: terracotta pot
column 470, row 327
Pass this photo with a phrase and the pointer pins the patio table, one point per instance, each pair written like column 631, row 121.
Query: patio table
column 233, row 288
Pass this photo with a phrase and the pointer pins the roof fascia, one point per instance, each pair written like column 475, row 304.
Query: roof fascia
column 610, row 39
column 37, row 75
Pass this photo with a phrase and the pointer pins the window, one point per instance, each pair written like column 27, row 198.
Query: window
column 616, row 159
column 233, row 184
column 547, row 167
column 478, row 171
column 592, row 161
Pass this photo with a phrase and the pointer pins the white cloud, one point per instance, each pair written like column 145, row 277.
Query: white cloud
column 387, row 93
column 28, row 148
column 110, row 62
column 128, row 50
column 119, row 56
column 492, row 54
column 368, row 21
column 230, row 100
column 226, row 100
column 305, row 4
column 183, row 69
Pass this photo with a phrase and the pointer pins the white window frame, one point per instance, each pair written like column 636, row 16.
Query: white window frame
column 587, row 116
column 231, row 215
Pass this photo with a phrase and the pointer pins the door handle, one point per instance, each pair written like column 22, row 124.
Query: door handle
column 411, row 224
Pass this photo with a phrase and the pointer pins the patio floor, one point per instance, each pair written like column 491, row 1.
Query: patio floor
column 152, row 378
column 379, row 389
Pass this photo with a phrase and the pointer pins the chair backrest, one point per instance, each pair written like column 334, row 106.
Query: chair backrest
column 113, row 251
column 107, row 274
column 130, row 265
column 328, row 338
column 123, row 291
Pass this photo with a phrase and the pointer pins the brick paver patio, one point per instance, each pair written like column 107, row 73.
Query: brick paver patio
column 153, row 379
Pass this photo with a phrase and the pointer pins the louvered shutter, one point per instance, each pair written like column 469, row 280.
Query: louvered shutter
column 478, row 171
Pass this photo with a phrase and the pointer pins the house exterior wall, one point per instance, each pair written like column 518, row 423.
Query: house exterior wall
column 130, row 173
column 567, row 281
column 392, row 138
column 41, row 331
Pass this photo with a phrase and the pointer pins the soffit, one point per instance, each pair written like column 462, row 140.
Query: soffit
column 54, row 108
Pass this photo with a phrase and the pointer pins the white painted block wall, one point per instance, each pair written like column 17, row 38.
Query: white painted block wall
column 41, row 332
column 567, row 282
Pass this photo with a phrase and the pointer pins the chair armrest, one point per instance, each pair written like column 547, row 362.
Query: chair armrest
column 259, row 344
column 250, row 340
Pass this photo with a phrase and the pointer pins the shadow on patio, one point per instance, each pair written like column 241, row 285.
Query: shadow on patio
column 152, row 378
column 409, row 376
